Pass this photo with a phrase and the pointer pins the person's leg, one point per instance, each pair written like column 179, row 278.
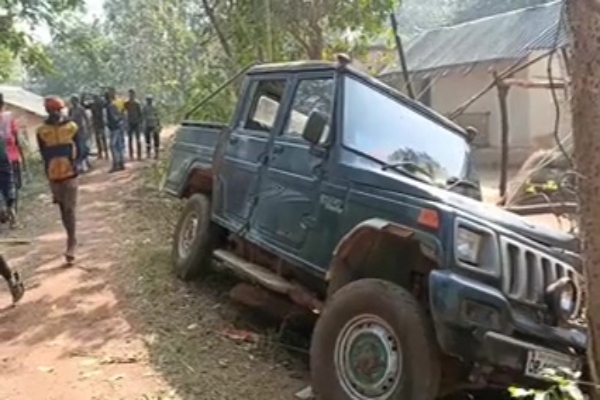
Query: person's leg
column 66, row 194
column 13, row 279
column 148, row 140
column 138, row 141
column 5, row 271
column 156, row 136
column 123, row 151
column 130, row 139
column 18, row 180
column 103, row 142
column 10, row 193
column 114, row 149
column 89, row 144
column 98, row 137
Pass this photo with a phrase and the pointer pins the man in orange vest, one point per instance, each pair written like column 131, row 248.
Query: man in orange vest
column 61, row 149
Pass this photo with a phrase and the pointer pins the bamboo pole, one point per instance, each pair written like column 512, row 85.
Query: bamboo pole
column 504, row 121
column 402, row 57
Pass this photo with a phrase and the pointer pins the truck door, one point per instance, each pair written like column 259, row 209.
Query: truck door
column 291, row 182
column 246, row 152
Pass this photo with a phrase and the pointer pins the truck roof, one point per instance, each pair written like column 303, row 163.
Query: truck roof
column 311, row 65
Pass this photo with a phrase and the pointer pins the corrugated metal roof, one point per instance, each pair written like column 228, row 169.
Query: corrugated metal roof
column 512, row 35
column 19, row 97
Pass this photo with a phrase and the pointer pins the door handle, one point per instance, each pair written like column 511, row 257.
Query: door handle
column 307, row 221
column 234, row 140
column 277, row 149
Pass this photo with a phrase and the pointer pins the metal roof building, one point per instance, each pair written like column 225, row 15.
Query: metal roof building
column 24, row 99
column 508, row 36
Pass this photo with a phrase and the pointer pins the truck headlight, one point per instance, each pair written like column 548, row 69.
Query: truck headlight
column 561, row 298
column 468, row 245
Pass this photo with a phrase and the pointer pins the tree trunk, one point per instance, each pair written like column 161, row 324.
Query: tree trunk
column 585, row 68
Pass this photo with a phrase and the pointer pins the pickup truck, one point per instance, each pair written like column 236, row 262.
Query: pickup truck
column 342, row 196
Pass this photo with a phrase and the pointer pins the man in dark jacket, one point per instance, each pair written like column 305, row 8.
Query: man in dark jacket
column 115, row 122
column 151, row 127
column 134, row 121
column 97, row 107
column 78, row 115
column 60, row 147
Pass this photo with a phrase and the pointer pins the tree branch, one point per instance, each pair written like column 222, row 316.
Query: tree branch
column 213, row 20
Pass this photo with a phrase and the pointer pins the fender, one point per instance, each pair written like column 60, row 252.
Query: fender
column 196, row 170
column 430, row 245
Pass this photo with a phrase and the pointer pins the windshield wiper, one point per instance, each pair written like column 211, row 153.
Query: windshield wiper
column 410, row 168
column 453, row 182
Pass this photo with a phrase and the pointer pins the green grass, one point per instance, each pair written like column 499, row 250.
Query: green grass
column 182, row 324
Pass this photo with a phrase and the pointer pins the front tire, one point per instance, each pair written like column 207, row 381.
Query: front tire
column 194, row 239
column 374, row 342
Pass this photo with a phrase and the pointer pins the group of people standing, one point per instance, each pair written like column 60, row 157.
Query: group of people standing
column 114, row 121
column 64, row 143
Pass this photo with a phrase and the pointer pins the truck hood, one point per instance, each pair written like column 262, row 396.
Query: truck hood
column 510, row 221
column 467, row 207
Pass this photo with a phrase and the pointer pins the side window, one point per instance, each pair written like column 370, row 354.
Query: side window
column 310, row 95
column 264, row 105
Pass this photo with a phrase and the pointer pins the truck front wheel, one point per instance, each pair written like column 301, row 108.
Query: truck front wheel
column 194, row 238
column 374, row 342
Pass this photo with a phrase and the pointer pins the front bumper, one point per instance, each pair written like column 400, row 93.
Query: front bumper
column 476, row 323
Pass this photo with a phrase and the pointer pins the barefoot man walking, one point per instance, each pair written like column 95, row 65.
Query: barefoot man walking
column 60, row 146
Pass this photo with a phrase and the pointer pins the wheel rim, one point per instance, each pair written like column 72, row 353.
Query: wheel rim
column 188, row 234
column 368, row 358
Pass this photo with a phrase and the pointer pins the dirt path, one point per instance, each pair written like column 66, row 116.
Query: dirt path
column 68, row 339
column 106, row 330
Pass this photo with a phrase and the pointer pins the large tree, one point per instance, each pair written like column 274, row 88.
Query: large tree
column 182, row 50
column 584, row 17
column 17, row 17
column 282, row 29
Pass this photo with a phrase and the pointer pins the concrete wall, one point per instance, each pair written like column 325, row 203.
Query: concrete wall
column 542, row 108
column 459, row 85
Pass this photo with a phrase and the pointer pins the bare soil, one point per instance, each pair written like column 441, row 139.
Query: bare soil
column 118, row 325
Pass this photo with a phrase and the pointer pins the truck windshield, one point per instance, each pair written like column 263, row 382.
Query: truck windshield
column 382, row 127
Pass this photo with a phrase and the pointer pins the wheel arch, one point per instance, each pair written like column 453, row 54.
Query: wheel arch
column 199, row 179
column 373, row 248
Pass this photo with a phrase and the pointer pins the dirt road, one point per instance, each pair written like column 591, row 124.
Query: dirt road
column 117, row 325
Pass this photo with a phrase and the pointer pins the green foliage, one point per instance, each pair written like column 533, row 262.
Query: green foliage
column 17, row 14
column 7, row 64
column 180, row 51
column 564, row 387
column 82, row 59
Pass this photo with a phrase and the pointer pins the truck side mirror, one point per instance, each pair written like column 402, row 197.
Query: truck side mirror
column 471, row 134
column 316, row 128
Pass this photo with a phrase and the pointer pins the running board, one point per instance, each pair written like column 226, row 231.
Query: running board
column 268, row 279
column 253, row 272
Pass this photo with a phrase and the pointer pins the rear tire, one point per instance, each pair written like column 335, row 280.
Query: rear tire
column 373, row 341
column 194, row 239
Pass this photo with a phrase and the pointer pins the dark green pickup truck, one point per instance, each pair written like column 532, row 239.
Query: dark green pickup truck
column 340, row 195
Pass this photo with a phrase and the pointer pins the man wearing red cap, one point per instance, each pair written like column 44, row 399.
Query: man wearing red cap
column 61, row 150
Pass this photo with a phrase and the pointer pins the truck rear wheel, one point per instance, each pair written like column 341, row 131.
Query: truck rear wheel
column 374, row 342
column 194, row 239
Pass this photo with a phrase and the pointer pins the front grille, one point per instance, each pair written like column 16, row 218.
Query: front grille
column 527, row 272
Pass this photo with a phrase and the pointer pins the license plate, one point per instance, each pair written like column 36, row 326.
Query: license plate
column 539, row 362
